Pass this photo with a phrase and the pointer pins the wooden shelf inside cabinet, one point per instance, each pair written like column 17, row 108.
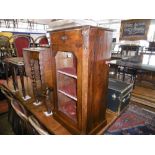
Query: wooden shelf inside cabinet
column 69, row 90
column 68, row 71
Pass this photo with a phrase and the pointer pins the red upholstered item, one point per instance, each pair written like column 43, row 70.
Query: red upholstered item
column 69, row 108
column 2, row 81
column 20, row 43
column 3, row 106
column 43, row 41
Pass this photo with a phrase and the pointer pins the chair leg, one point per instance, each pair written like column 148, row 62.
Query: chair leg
column 131, row 79
column 124, row 74
column 134, row 81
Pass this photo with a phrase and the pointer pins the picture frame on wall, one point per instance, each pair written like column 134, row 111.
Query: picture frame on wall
column 135, row 29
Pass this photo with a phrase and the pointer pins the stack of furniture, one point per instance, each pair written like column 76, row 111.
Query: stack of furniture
column 70, row 80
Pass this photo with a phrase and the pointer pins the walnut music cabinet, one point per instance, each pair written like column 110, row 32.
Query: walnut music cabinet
column 80, row 77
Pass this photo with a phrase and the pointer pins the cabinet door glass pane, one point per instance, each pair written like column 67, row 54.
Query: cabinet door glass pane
column 66, row 70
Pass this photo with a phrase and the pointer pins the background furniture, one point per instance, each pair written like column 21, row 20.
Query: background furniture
column 41, row 41
column 16, row 65
column 138, row 66
column 20, row 42
column 38, row 62
column 125, row 49
column 4, row 47
column 151, row 48
column 80, row 77
column 119, row 94
column 5, row 52
column 144, row 95
column 4, row 104
column 19, row 118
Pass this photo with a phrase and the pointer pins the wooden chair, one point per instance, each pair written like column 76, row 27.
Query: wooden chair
column 25, row 123
column 5, row 48
column 129, row 72
column 151, row 48
column 5, row 52
column 37, row 126
column 41, row 41
column 20, row 42
column 126, row 49
column 20, row 122
column 3, row 103
column 9, row 98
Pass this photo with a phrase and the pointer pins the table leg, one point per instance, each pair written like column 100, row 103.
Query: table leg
column 121, row 53
column 21, row 73
column 116, row 70
column 124, row 73
column 14, row 77
column 15, row 71
column 127, row 52
column 6, row 71
column 134, row 78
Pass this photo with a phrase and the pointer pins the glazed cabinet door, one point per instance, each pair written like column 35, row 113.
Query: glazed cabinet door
column 67, row 80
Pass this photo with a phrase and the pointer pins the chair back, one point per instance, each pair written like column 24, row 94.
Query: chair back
column 20, row 110
column 4, row 47
column 4, row 42
column 37, row 126
column 41, row 40
column 20, row 42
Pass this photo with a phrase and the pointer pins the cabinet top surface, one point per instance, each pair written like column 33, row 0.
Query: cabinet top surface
column 79, row 27
column 37, row 49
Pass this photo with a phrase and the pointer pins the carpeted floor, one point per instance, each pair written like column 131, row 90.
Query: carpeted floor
column 5, row 127
column 135, row 120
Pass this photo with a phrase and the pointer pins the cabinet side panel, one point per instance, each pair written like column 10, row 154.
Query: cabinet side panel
column 93, row 41
column 99, row 70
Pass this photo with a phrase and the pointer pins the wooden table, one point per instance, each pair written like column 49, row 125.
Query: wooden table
column 52, row 126
column 139, row 64
column 16, row 64
column 128, row 47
